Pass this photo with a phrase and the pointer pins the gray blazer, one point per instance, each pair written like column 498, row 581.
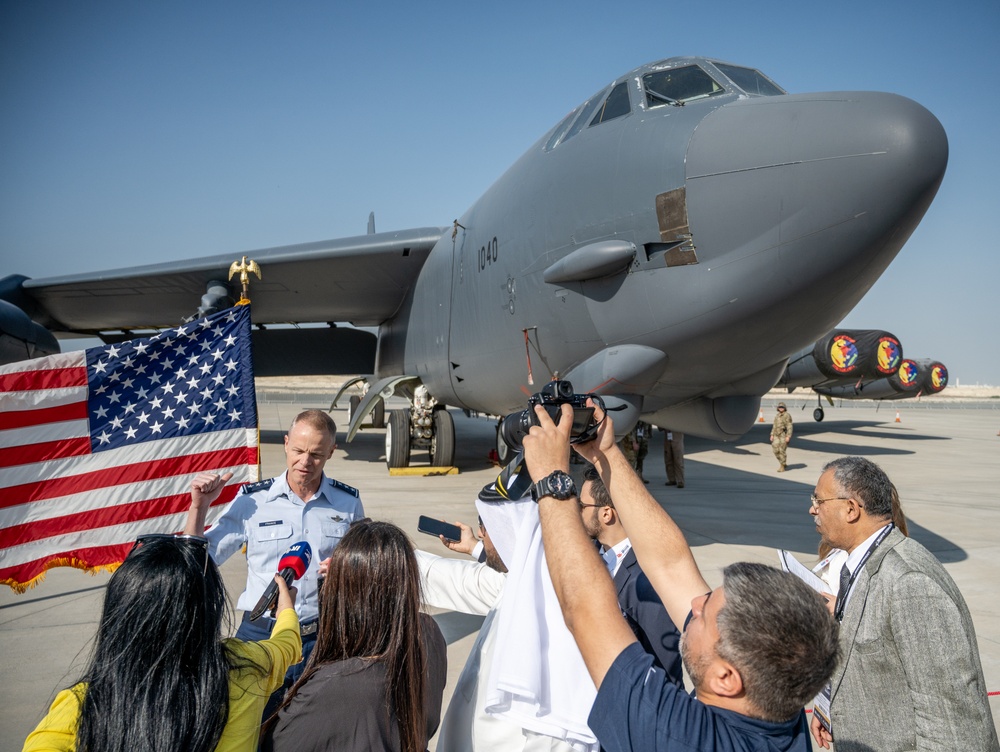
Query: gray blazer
column 910, row 676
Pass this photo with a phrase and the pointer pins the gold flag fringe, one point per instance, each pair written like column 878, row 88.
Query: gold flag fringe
column 23, row 587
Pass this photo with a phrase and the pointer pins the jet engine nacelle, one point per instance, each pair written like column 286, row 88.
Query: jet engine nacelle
column 846, row 356
column 914, row 378
column 21, row 338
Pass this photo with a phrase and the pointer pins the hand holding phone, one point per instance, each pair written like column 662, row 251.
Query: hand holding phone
column 438, row 528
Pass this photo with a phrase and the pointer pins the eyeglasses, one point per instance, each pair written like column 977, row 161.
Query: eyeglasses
column 819, row 502
column 195, row 542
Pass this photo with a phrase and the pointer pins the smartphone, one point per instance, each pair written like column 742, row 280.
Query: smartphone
column 436, row 527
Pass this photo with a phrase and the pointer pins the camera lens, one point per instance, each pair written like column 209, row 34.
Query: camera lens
column 514, row 428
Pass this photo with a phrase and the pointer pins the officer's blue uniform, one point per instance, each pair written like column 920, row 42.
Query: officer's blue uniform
column 268, row 517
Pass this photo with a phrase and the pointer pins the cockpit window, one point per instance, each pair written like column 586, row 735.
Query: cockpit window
column 679, row 85
column 560, row 132
column 584, row 119
column 615, row 106
column 750, row 80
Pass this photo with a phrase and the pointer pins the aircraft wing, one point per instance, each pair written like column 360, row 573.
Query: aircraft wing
column 361, row 280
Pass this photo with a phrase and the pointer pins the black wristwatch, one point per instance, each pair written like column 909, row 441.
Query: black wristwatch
column 557, row 484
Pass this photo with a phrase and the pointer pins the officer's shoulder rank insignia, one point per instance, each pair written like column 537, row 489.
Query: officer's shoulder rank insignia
column 261, row 485
column 346, row 488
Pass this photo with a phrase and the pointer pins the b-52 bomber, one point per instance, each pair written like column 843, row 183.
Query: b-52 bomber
column 669, row 244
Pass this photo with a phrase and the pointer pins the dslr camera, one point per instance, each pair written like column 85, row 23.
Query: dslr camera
column 552, row 397
column 514, row 481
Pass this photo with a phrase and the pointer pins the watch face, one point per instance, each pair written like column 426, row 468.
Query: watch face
column 561, row 485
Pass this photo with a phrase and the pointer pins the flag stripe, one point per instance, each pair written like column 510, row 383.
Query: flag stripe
column 28, row 400
column 116, row 534
column 147, row 452
column 68, row 429
column 49, row 379
column 60, row 506
column 91, row 558
column 105, row 516
column 75, row 359
column 21, row 418
column 43, row 452
column 116, row 476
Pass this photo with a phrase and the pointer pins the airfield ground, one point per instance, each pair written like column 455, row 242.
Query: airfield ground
column 943, row 454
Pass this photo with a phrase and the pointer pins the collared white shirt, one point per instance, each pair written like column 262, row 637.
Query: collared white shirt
column 272, row 518
column 855, row 557
column 613, row 556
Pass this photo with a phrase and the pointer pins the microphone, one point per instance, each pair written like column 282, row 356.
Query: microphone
column 291, row 566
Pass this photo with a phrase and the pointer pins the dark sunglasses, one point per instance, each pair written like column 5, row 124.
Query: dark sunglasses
column 195, row 543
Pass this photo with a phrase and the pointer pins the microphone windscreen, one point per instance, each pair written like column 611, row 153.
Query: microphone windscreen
column 296, row 558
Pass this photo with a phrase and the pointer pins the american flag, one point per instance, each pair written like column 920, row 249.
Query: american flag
column 99, row 446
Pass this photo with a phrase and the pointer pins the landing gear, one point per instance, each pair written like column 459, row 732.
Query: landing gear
column 397, row 439
column 443, row 440
column 425, row 425
column 818, row 414
column 377, row 414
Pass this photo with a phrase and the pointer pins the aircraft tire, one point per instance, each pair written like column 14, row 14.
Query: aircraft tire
column 818, row 414
column 443, row 441
column 352, row 407
column 397, row 439
column 378, row 414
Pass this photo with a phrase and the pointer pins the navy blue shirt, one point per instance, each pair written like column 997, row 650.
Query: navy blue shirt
column 637, row 708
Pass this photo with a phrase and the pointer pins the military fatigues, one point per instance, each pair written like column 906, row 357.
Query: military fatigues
column 268, row 517
column 673, row 457
column 781, row 433
column 638, row 435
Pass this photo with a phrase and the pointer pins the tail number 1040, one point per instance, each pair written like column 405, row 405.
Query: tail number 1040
column 488, row 254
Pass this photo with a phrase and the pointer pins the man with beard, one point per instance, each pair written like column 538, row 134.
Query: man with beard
column 757, row 648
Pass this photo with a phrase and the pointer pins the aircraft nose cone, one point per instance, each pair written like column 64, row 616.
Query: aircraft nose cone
column 821, row 179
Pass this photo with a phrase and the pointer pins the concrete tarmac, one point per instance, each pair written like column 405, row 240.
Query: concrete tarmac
column 735, row 507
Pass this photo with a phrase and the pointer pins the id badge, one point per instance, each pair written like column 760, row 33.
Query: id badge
column 821, row 708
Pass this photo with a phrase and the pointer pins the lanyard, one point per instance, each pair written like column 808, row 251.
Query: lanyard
column 838, row 611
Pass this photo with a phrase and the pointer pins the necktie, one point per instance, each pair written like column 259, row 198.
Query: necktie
column 845, row 578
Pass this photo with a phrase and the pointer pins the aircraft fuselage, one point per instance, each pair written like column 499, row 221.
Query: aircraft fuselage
column 763, row 219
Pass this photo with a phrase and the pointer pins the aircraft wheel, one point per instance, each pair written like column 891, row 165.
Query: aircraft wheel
column 443, row 440
column 378, row 414
column 352, row 407
column 818, row 414
column 397, row 439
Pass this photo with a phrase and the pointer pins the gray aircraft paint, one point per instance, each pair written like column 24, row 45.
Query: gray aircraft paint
column 758, row 222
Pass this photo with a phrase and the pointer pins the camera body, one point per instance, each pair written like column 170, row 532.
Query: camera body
column 552, row 397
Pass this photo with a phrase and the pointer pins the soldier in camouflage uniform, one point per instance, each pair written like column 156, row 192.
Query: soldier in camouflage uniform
column 635, row 446
column 781, row 434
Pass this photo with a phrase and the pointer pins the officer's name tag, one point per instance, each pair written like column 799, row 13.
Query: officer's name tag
column 269, row 523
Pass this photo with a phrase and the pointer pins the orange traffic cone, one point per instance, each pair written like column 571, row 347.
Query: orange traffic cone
column 760, row 418
column 897, row 417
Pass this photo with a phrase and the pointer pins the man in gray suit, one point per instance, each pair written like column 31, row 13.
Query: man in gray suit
column 910, row 675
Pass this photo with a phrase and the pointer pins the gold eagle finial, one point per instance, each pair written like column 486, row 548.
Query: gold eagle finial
column 244, row 268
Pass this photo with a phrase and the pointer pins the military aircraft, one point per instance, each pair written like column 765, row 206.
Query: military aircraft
column 669, row 244
column 861, row 364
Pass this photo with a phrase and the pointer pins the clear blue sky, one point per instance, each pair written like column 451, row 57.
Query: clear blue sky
column 134, row 133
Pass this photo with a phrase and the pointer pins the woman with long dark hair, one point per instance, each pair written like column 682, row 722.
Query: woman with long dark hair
column 377, row 673
column 161, row 677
